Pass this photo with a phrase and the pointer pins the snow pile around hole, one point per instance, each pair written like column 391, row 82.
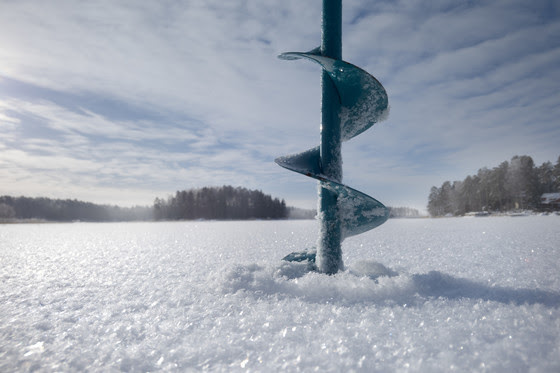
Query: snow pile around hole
column 291, row 279
column 370, row 282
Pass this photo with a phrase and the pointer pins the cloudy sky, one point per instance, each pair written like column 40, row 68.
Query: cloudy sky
column 123, row 101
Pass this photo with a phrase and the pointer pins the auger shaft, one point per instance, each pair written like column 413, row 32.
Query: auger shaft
column 329, row 253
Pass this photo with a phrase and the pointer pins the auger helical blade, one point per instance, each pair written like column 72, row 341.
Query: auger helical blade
column 307, row 163
column 364, row 102
column 359, row 212
column 362, row 97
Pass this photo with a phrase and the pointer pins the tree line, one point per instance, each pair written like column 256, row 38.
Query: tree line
column 220, row 203
column 224, row 203
column 65, row 210
column 517, row 184
column 403, row 212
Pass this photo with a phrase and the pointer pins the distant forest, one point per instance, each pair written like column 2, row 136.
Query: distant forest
column 220, row 203
column 403, row 212
column 224, row 203
column 517, row 184
column 27, row 208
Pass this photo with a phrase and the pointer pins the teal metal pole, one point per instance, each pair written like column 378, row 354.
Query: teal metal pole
column 352, row 102
column 329, row 252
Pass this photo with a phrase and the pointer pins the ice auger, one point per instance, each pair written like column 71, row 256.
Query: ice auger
column 352, row 102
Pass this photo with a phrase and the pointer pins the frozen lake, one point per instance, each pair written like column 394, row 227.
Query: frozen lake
column 467, row 294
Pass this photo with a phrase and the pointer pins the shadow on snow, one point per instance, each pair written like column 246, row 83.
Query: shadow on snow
column 441, row 285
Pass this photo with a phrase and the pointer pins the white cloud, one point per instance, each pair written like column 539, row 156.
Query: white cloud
column 91, row 151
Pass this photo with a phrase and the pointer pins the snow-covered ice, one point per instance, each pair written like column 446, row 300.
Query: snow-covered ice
column 423, row 295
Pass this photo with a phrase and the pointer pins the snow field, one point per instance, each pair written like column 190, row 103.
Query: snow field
column 418, row 295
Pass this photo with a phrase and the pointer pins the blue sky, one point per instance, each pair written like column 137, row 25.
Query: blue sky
column 123, row 101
